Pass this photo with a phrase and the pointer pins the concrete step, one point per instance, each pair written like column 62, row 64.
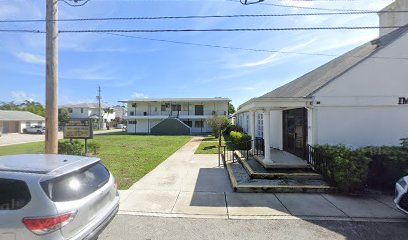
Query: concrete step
column 244, row 179
column 282, row 166
column 242, row 182
column 257, row 171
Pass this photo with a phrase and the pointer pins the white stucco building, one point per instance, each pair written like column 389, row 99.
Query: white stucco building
column 358, row 99
column 145, row 113
column 90, row 110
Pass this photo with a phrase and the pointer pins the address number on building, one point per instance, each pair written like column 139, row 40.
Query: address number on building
column 78, row 129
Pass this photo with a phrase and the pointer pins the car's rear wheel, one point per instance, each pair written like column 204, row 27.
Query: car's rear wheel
column 39, row 132
column 404, row 202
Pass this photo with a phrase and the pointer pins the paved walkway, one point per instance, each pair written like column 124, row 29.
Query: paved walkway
column 19, row 138
column 189, row 185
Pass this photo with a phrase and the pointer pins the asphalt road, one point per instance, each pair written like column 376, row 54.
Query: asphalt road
column 129, row 227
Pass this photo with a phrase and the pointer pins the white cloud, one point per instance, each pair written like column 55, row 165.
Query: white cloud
column 31, row 58
column 94, row 73
column 139, row 95
column 21, row 96
column 275, row 56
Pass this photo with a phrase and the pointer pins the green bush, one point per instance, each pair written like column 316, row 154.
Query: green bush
column 94, row 147
column 240, row 140
column 389, row 163
column 344, row 167
column 234, row 128
column 74, row 148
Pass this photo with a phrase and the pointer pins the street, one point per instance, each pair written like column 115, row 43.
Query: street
column 139, row 227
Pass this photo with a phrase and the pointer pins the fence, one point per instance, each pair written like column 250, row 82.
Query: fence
column 227, row 152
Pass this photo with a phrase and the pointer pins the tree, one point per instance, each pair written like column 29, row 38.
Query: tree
column 30, row 106
column 218, row 124
column 231, row 108
column 9, row 106
column 34, row 107
column 63, row 116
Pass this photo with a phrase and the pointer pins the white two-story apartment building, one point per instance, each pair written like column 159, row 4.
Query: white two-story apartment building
column 90, row 110
column 173, row 116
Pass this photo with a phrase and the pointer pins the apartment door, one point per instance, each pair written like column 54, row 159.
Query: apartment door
column 199, row 110
column 295, row 131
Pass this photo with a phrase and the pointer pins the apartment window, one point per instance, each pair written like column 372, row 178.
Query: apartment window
column 155, row 109
column 82, row 110
column 132, row 122
column 70, row 110
column 132, row 113
column 28, row 124
column 225, row 113
column 198, row 124
column 163, row 107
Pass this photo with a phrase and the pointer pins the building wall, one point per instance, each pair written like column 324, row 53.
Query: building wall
column 363, row 126
column 361, row 107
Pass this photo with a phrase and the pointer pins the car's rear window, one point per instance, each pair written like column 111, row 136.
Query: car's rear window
column 76, row 185
column 14, row 194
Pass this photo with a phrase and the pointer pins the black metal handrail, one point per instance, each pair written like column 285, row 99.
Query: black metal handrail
column 227, row 152
column 320, row 162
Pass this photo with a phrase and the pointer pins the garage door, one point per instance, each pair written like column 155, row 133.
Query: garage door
column 10, row 127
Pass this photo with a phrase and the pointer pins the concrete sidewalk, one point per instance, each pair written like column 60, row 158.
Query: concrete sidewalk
column 189, row 185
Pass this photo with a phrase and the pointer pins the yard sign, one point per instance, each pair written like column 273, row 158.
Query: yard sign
column 78, row 129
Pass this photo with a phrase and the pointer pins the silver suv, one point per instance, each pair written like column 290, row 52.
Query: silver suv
column 55, row 197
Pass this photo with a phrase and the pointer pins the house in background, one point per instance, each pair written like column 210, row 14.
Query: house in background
column 90, row 110
column 120, row 111
column 173, row 116
column 358, row 99
column 16, row 121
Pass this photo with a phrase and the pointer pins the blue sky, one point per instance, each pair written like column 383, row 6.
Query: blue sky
column 127, row 67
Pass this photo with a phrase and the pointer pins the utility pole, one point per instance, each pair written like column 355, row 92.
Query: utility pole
column 100, row 125
column 51, row 86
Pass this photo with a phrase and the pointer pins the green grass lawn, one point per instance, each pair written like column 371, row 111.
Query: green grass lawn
column 211, row 138
column 128, row 157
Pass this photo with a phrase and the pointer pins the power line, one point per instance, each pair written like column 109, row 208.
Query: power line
column 21, row 31
column 207, row 30
column 307, row 8
column 200, row 16
column 244, row 49
column 229, row 29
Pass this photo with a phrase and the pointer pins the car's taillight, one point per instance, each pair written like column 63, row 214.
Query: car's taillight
column 44, row 225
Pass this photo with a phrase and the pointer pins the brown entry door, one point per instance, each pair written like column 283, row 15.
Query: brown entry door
column 295, row 131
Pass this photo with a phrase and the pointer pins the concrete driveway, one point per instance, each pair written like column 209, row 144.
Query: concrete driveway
column 189, row 185
column 19, row 138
